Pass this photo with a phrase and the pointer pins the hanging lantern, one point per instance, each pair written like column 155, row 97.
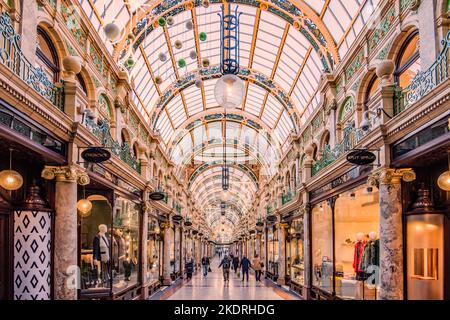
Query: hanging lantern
column 205, row 62
column 178, row 44
column 162, row 22
column 229, row 91
column 181, row 63
column 162, row 57
column 444, row 179
column 158, row 80
column 202, row 36
column 84, row 206
column 193, row 54
column 170, row 21
column 198, row 83
column 10, row 179
column 205, row 3
column 189, row 25
column 112, row 31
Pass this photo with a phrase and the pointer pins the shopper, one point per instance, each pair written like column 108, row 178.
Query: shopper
column 245, row 265
column 257, row 266
column 225, row 264
column 205, row 265
column 235, row 263
column 189, row 265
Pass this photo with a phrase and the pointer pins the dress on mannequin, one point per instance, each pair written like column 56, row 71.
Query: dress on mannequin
column 357, row 257
column 371, row 254
column 101, row 247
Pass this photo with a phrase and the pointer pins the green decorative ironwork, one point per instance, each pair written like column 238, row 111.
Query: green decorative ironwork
column 287, row 197
column 355, row 65
column 351, row 138
column 103, row 134
column 13, row 58
column 424, row 82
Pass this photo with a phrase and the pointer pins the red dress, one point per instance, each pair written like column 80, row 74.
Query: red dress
column 359, row 249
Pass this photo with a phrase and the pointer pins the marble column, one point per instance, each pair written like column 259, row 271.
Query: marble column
column 307, row 259
column 281, row 229
column 258, row 243
column 391, row 234
column 167, row 280
column 65, row 239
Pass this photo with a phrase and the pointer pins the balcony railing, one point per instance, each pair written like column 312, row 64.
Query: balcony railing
column 424, row 82
column 12, row 57
column 352, row 136
column 103, row 134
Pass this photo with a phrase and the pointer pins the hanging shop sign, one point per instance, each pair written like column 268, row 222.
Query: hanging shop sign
column 361, row 157
column 157, row 195
column 96, row 154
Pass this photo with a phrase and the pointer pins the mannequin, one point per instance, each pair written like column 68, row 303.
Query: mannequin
column 119, row 249
column 101, row 248
column 371, row 254
column 357, row 256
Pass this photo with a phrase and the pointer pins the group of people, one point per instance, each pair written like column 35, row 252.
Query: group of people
column 229, row 261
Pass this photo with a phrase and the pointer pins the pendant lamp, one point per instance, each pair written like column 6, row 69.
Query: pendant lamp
column 9, row 179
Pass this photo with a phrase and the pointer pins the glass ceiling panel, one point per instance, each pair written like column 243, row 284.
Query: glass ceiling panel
column 317, row 5
column 208, row 21
column 176, row 111
column 271, row 111
column 255, row 97
column 192, row 96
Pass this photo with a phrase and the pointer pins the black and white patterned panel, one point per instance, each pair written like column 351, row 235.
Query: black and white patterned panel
column 32, row 255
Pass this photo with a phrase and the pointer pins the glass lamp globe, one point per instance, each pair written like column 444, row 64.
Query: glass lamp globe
column 229, row 91
column 10, row 180
column 444, row 181
column 112, row 31
column 84, row 206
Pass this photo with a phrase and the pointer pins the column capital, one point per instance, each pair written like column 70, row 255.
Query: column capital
column 69, row 173
column 386, row 176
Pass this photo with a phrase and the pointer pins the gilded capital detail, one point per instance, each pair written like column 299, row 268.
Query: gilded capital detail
column 70, row 173
column 389, row 176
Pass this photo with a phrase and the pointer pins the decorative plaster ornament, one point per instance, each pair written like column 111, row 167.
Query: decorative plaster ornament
column 198, row 83
column 162, row 57
column 182, row 63
column 170, row 21
column 162, row 22
column 158, row 80
column 189, row 25
column 112, row 31
column 131, row 62
column 178, row 44
column 202, row 36
column 193, row 55
column 205, row 62
column 205, row 3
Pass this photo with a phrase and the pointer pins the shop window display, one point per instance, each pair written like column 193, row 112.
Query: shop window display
column 177, row 250
column 357, row 220
column 272, row 248
column 153, row 251
column 295, row 253
column 95, row 238
column 425, row 256
column 322, row 246
column 125, row 244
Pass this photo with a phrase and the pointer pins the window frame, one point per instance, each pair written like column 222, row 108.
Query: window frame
column 53, row 66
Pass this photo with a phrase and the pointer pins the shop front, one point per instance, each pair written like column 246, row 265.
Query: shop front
column 295, row 259
column 272, row 258
column 109, row 239
column 154, row 255
column 426, row 207
column 345, row 246
column 27, row 205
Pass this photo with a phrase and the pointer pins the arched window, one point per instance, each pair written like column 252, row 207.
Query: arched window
column 371, row 89
column 408, row 61
column 81, row 84
column 46, row 55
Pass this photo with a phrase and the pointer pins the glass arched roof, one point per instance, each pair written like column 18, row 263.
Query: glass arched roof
column 284, row 48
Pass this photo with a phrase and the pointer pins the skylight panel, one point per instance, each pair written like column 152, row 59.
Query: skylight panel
column 176, row 111
column 193, row 98
column 271, row 111
column 255, row 97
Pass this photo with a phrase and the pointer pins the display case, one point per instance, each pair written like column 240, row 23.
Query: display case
column 322, row 247
column 272, row 253
column 295, row 253
column 154, row 250
column 356, row 230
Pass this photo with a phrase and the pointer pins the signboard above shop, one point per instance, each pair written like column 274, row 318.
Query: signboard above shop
column 361, row 157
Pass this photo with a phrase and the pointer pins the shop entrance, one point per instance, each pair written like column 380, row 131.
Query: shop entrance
column 5, row 255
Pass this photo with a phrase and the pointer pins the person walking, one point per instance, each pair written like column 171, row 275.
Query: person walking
column 205, row 265
column 257, row 266
column 245, row 265
column 189, row 265
column 225, row 264
column 235, row 263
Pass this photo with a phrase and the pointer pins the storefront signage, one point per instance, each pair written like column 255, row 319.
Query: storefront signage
column 96, row 154
column 361, row 157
